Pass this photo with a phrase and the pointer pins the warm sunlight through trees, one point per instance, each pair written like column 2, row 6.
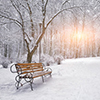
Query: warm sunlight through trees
column 39, row 29
column 83, row 44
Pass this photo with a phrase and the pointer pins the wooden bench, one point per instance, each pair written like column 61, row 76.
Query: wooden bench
column 29, row 71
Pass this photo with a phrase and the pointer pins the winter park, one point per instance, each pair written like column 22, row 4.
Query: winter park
column 49, row 49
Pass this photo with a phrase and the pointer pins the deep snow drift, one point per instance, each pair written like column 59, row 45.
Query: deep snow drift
column 74, row 79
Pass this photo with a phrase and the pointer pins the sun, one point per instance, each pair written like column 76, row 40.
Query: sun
column 79, row 35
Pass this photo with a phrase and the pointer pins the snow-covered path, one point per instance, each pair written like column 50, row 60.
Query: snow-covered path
column 74, row 79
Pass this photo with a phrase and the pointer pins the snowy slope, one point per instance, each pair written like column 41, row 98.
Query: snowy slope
column 74, row 79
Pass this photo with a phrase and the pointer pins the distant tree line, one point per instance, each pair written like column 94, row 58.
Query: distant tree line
column 49, row 31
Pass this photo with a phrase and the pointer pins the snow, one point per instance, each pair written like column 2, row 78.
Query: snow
column 74, row 79
column 1, row 66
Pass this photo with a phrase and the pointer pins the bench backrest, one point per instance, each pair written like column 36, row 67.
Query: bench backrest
column 28, row 67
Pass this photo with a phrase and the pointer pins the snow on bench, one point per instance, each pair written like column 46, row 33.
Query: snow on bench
column 29, row 71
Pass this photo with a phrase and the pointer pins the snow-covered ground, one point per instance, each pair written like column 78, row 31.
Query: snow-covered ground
column 74, row 79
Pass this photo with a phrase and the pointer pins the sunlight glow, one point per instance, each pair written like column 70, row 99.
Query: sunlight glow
column 79, row 35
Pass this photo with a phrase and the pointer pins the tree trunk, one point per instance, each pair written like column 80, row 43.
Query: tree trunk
column 29, row 57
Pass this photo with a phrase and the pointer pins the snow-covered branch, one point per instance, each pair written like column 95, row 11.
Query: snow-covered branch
column 66, row 9
column 16, row 21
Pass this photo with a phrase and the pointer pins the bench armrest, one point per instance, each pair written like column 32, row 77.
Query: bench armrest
column 13, row 68
column 47, row 69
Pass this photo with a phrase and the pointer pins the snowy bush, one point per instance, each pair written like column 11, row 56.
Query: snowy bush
column 47, row 59
column 5, row 64
column 1, row 66
column 4, row 61
column 58, row 59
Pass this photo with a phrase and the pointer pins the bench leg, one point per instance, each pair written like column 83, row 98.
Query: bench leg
column 17, row 85
column 18, row 80
column 31, row 82
column 42, row 78
column 31, row 86
column 50, row 75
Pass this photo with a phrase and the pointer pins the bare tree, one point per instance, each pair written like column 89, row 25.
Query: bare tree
column 23, row 16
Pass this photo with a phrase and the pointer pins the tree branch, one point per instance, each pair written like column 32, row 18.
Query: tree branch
column 27, row 46
column 31, row 20
column 16, row 21
column 27, row 36
column 18, row 12
column 65, row 2
column 46, row 4
column 67, row 9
